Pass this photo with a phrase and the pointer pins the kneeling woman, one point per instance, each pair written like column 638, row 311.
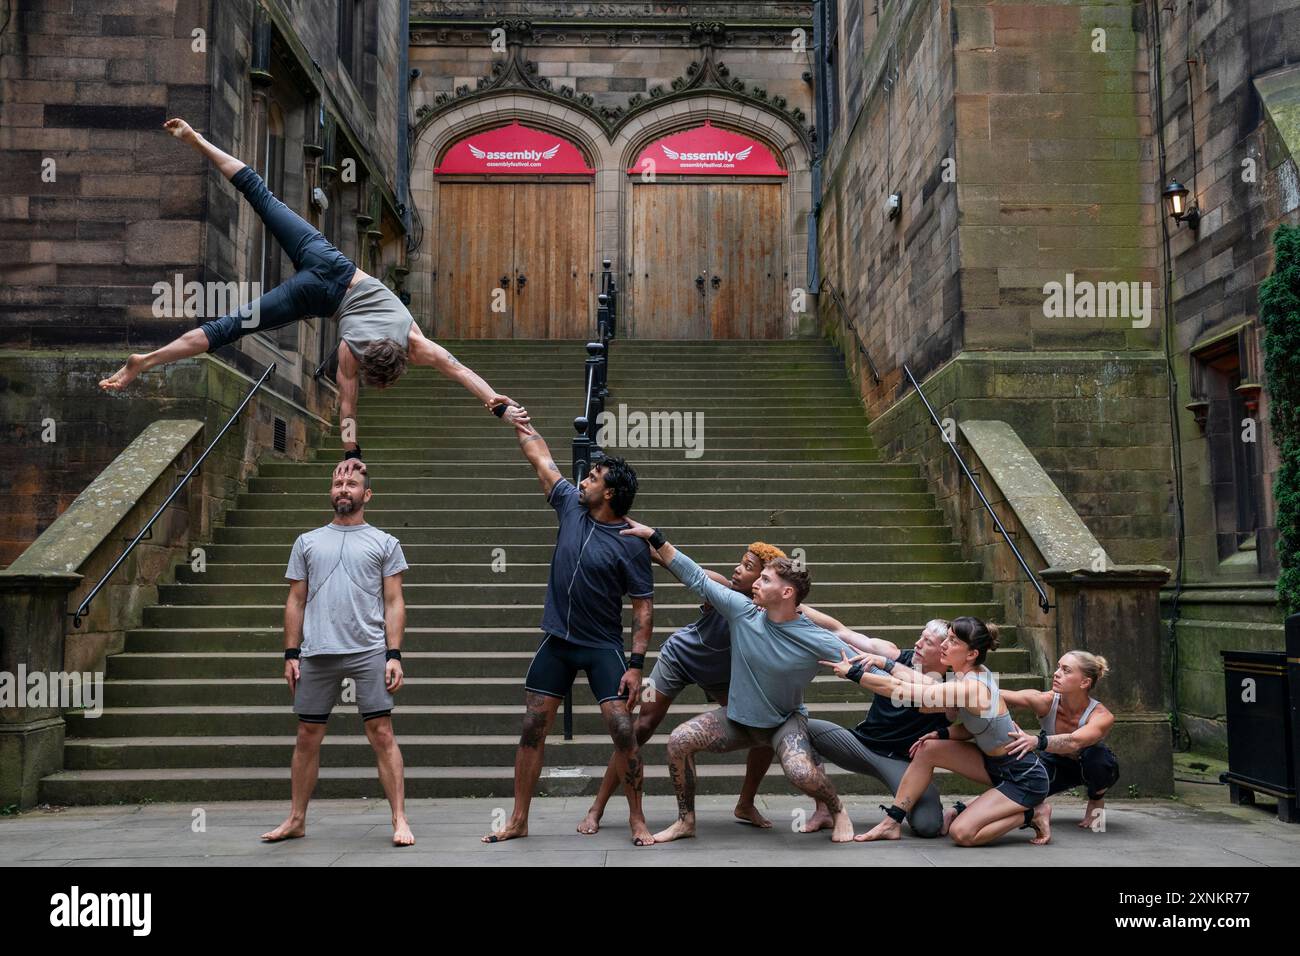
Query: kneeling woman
column 975, row 747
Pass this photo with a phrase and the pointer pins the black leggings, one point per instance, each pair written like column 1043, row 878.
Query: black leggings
column 1096, row 769
column 316, row 289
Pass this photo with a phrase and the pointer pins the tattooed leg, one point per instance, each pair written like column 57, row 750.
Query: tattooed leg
column 707, row 732
column 802, row 769
column 648, row 718
column 630, row 767
column 539, row 714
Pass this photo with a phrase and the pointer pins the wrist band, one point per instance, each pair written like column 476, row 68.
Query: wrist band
column 636, row 662
column 943, row 734
column 855, row 673
column 392, row 654
column 292, row 653
column 657, row 540
column 352, row 453
column 499, row 410
column 889, row 666
column 1042, row 740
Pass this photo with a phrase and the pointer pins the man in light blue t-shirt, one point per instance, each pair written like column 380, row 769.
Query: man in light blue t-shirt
column 775, row 652
column 344, row 621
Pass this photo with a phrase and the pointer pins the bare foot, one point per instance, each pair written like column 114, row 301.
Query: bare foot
column 748, row 813
column 290, row 829
column 886, row 829
column 1042, row 824
column 181, row 130
column 843, row 832
column 402, row 835
column 511, row 831
column 820, row 821
column 590, row 823
column 1094, row 815
column 681, row 830
column 948, row 816
column 123, row 376
column 641, row 835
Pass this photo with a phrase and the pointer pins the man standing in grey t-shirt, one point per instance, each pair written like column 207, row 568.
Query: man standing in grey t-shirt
column 344, row 621
column 775, row 652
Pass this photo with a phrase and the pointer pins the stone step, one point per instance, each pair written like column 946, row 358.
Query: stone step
column 508, row 594
column 481, row 570
column 769, row 455
column 754, row 490
column 674, row 515
column 501, row 442
column 229, row 665
column 755, row 470
column 647, row 501
column 526, row 615
column 690, row 536
column 491, row 639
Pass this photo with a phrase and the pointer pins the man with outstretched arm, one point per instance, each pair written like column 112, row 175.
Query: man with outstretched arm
column 344, row 619
column 592, row 567
column 775, row 652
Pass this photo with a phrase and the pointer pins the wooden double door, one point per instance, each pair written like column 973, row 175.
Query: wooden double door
column 706, row 260
column 514, row 260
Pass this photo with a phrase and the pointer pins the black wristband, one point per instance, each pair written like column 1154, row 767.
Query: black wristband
column 352, row 453
column 292, row 653
column 499, row 410
column 1042, row 740
column 889, row 666
column 657, row 540
column 392, row 654
column 855, row 673
column 943, row 733
column 635, row 662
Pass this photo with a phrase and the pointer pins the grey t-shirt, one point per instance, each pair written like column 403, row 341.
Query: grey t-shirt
column 770, row 663
column 370, row 311
column 344, row 567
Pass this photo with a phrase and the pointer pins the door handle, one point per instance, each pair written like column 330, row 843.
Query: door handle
column 522, row 280
column 699, row 282
column 505, row 282
column 717, row 281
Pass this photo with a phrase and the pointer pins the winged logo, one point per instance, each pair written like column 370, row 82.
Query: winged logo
column 670, row 153
column 478, row 153
column 743, row 154
column 550, row 153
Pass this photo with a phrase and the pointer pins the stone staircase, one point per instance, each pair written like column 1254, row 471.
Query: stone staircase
column 196, row 708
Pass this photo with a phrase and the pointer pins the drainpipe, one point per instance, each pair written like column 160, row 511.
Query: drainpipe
column 403, row 122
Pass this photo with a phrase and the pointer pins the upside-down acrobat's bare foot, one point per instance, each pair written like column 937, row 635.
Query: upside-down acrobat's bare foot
column 680, row 830
column 748, row 813
column 1042, row 824
column 590, row 823
column 886, row 829
column 123, row 376
column 290, row 829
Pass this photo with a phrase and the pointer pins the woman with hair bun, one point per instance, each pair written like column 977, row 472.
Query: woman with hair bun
column 975, row 747
column 1073, row 725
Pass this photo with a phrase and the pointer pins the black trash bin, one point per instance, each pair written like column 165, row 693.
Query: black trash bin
column 1261, row 751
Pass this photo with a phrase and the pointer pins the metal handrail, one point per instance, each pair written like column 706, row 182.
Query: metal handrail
column 853, row 326
column 85, row 605
column 1043, row 601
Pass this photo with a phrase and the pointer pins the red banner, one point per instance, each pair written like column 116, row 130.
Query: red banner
column 513, row 149
column 710, row 151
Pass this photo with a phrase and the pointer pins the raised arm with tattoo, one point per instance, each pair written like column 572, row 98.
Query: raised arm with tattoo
column 539, row 456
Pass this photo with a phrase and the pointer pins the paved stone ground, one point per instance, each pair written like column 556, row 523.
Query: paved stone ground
column 1199, row 828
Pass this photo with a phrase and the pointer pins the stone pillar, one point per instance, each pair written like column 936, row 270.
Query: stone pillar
column 1116, row 613
column 33, row 615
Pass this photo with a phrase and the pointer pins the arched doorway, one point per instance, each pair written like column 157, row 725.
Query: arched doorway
column 707, row 230
column 513, row 247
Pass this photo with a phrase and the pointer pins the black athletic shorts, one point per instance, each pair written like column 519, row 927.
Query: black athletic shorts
column 556, row 664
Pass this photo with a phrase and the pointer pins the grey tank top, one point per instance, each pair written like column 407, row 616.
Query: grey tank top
column 1049, row 722
column 989, row 732
column 370, row 311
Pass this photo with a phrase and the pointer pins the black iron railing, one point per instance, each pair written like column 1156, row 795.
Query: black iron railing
column 586, row 450
column 85, row 605
column 853, row 327
column 1043, row 601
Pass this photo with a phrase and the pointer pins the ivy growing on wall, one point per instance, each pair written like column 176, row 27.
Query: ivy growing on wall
column 1279, row 309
